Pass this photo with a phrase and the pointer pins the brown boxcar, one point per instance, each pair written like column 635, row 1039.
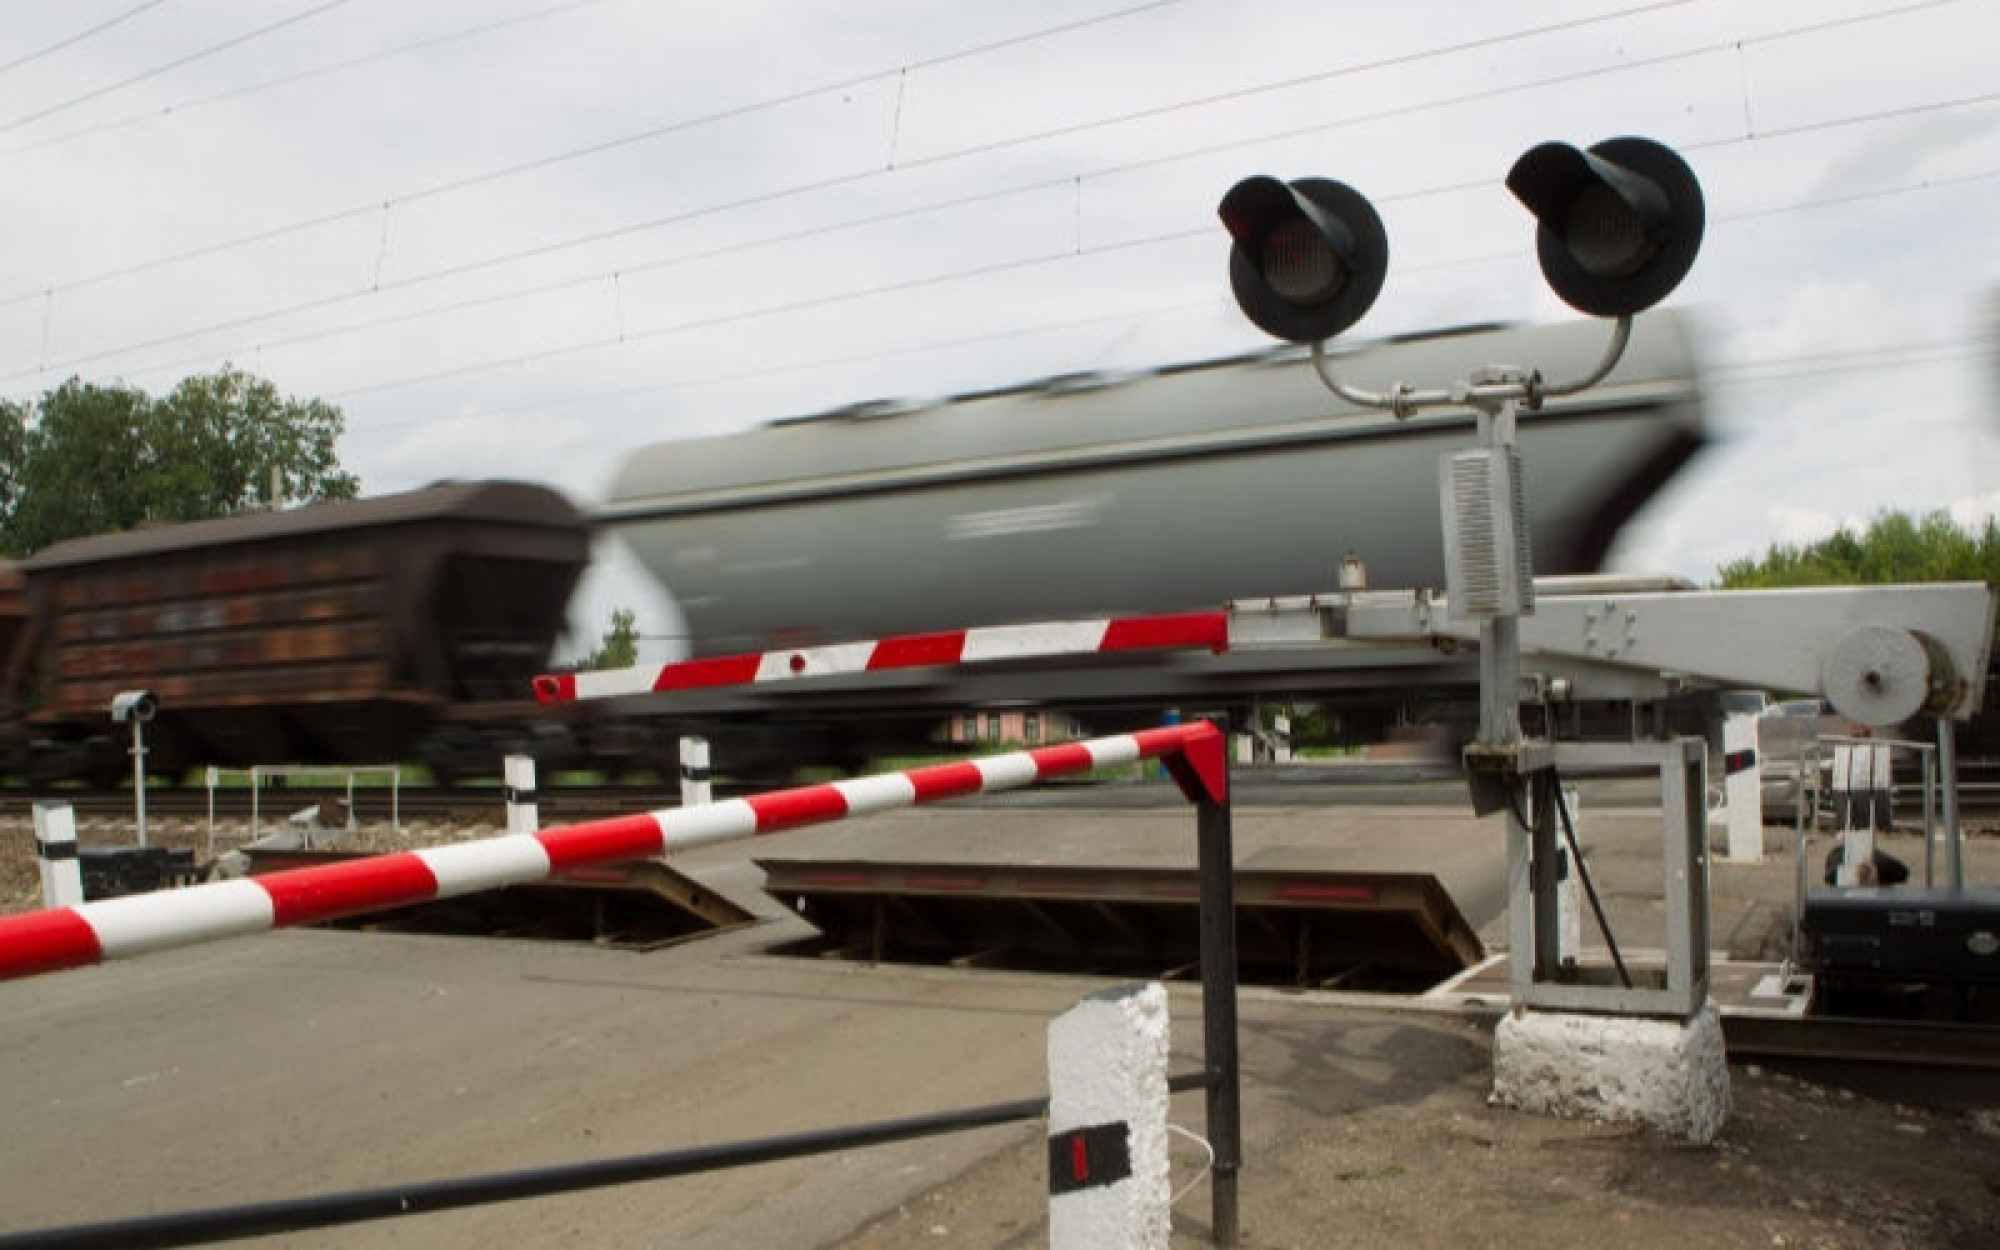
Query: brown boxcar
column 353, row 631
column 14, row 643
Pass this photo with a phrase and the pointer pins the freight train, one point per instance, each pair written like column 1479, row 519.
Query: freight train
column 404, row 627
column 409, row 627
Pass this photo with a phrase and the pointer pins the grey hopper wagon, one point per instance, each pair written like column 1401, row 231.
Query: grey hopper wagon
column 1178, row 489
column 1175, row 489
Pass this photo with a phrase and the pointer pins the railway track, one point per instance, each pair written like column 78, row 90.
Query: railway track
column 1978, row 791
column 465, row 804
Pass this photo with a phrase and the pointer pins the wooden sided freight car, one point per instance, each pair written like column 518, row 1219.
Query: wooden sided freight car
column 362, row 631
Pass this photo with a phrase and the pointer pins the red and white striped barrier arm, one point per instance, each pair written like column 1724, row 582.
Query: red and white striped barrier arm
column 71, row 937
column 962, row 646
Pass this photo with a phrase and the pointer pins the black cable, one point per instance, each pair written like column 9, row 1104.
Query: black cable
column 181, row 108
column 534, row 164
column 176, row 63
column 474, row 180
column 81, row 35
column 1553, row 780
column 542, row 250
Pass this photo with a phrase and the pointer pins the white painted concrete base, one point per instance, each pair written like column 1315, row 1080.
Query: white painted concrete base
column 1108, row 1067
column 1672, row 1075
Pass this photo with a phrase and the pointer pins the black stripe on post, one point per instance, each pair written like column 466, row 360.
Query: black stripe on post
column 1738, row 761
column 55, row 850
column 1087, row 1158
column 520, row 794
column 694, row 772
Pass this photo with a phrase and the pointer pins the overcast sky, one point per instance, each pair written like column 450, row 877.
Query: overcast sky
column 521, row 237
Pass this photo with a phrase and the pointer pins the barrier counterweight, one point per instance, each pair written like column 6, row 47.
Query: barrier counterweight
column 70, row 937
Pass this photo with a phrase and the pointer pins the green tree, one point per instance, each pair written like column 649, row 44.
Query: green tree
column 84, row 466
column 93, row 459
column 13, row 450
column 222, row 440
column 621, row 645
column 1894, row 548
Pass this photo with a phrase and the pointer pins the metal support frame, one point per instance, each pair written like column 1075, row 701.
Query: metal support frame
column 1539, row 976
column 257, row 773
column 1505, row 767
column 1940, row 814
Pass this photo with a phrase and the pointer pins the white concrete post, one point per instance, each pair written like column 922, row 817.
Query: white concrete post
column 524, row 814
column 55, row 852
column 1569, row 889
column 695, row 788
column 1743, row 790
column 1246, row 748
column 1859, row 770
column 1281, row 739
column 1109, row 1187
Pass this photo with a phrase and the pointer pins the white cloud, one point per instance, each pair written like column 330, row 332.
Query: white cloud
column 1046, row 206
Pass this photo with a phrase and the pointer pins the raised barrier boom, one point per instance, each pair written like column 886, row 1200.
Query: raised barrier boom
column 1042, row 640
column 72, row 937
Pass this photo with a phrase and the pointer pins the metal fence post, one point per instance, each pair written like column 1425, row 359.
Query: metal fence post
column 1217, row 859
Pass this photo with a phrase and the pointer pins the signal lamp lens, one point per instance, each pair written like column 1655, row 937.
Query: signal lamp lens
column 1606, row 236
column 1300, row 265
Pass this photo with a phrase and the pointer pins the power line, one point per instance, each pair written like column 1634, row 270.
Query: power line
column 1484, row 95
column 227, row 44
column 621, row 339
column 182, row 108
column 1124, row 316
column 479, row 179
column 800, row 305
column 470, row 181
column 980, row 271
column 80, row 36
column 867, row 174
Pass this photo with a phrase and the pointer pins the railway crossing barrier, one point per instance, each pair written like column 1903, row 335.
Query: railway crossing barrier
column 86, row 933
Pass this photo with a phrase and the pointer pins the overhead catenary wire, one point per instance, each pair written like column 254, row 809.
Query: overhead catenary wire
column 1054, row 255
column 960, row 201
column 179, row 109
column 98, row 93
column 89, row 32
column 470, row 181
column 622, row 335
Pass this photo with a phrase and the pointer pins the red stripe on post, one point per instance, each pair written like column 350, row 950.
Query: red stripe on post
column 602, row 841
column 46, row 941
column 1188, row 629
column 788, row 809
column 946, row 781
column 330, row 891
column 722, row 670
column 917, row 651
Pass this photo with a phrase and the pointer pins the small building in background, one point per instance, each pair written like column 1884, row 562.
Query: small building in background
column 1031, row 726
